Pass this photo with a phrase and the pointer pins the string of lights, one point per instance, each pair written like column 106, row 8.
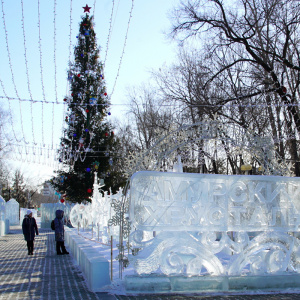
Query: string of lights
column 227, row 105
column 54, row 52
column 70, row 34
column 10, row 113
column 109, row 32
column 94, row 7
column 11, row 69
column 27, row 70
column 124, row 46
column 41, row 71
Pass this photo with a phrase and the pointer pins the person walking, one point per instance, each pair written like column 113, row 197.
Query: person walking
column 60, row 233
column 29, row 228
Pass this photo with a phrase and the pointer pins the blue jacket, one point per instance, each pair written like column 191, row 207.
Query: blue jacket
column 29, row 228
column 59, row 226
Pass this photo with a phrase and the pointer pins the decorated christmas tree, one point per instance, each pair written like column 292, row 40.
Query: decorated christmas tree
column 88, row 144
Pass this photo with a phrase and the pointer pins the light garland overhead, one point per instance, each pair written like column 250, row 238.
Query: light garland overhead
column 11, row 70
column 124, row 46
column 169, row 105
column 109, row 32
column 10, row 113
column 41, row 71
column 27, row 71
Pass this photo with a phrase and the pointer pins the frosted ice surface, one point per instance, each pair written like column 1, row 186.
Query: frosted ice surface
column 98, row 212
column 214, row 224
column 2, row 209
column 12, row 211
column 48, row 211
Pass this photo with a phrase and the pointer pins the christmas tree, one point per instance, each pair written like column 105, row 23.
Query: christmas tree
column 88, row 144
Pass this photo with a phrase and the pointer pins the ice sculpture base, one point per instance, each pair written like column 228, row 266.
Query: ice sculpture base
column 179, row 284
column 94, row 266
column 4, row 227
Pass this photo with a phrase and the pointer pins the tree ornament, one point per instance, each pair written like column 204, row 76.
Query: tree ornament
column 105, row 94
column 106, row 134
column 78, row 75
column 86, row 130
column 89, row 190
column 109, row 113
column 88, row 169
column 87, row 110
column 74, row 134
column 93, row 100
column 86, row 8
column 283, row 88
column 62, row 200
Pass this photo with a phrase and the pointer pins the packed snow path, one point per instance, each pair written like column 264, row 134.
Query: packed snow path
column 43, row 275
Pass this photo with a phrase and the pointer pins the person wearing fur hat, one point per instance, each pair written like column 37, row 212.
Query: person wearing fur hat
column 29, row 228
column 60, row 233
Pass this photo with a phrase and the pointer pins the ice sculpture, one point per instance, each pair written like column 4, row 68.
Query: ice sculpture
column 97, row 213
column 2, row 209
column 48, row 212
column 12, row 211
column 204, row 224
column 23, row 212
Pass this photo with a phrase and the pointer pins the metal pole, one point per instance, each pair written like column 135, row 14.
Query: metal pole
column 111, row 258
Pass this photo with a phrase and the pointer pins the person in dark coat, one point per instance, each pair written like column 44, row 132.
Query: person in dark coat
column 29, row 228
column 60, row 233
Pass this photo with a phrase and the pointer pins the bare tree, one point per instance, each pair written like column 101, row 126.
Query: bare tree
column 148, row 115
column 253, row 53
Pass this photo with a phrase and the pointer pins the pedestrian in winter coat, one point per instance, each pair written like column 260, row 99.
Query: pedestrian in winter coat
column 29, row 228
column 60, row 233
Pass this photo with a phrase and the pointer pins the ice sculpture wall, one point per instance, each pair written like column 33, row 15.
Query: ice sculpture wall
column 2, row 209
column 12, row 211
column 48, row 212
column 196, row 224
column 23, row 212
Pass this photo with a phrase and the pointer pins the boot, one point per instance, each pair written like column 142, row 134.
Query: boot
column 58, row 248
column 63, row 248
column 29, row 248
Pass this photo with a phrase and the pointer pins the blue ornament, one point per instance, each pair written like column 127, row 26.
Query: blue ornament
column 88, row 169
column 93, row 100
column 86, row 130
column 74, row 134
column 109, row 113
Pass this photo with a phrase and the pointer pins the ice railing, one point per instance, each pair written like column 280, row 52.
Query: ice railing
column 200, row 224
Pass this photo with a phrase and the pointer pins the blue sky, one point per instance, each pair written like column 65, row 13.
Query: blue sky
column 40, row 124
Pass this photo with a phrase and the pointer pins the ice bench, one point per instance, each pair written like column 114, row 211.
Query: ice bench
column 94, row 266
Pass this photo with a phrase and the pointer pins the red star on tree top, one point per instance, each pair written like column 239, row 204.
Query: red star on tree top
column 86, row 8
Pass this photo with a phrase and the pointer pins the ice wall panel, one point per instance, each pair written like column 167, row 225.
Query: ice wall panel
column 163, row 201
